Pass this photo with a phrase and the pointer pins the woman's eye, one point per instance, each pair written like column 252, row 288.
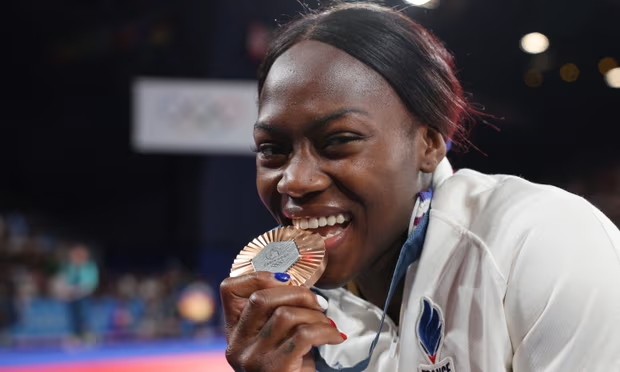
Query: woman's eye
column 340, row 140
column 269, row 149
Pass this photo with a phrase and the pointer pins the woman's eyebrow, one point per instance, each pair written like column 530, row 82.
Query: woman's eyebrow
column 315, row 124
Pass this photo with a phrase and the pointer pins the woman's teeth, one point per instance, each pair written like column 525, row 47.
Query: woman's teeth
column 333, row 233
column 314, row 222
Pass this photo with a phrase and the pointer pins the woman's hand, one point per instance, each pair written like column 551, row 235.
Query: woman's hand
column 271, row 325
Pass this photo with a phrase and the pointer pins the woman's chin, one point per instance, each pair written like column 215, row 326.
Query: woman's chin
column 328, row 281
column 327, row 285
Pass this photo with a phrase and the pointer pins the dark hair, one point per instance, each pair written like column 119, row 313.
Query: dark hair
column 406, row 55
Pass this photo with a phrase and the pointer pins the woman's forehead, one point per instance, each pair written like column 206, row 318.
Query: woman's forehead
column 311, row 68
column 314, row 78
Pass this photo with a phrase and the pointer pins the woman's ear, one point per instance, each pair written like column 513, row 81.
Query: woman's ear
column 432, row 148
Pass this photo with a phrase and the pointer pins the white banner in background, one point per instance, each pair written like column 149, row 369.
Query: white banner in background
column 193, row 116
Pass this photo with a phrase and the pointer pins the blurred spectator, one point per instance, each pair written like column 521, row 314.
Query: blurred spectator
column 3, row 233
column 27, row 285
column 77, row 280
column 8, row 305
column 123, row 318
column 149, row 291
column 197, row 306
column 18, row 230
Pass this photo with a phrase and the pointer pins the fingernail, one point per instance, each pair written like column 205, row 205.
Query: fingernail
column 322, row 302
column 283, row 277
column 344, row 337
column 332, row 323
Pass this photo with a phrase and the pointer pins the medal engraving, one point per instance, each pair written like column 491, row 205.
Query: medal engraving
column 299, row 253
column 276, row 257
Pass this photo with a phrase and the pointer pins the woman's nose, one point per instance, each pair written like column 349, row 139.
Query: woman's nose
column 302, row 176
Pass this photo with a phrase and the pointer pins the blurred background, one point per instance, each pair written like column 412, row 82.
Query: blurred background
column 127, row 181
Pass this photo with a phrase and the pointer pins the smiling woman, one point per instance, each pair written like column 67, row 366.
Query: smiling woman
column 340, row 143
column 427, row 269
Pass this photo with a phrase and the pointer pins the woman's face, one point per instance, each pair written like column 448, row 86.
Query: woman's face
column 338, row 153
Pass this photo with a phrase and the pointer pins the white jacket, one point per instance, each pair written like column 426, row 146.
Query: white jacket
column 516, row 276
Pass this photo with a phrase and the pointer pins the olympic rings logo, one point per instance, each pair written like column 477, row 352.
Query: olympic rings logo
column 221, row 112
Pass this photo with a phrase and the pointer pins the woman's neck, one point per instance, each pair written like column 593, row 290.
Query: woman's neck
column 373, row 284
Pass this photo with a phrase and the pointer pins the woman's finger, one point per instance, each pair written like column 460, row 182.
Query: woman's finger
column 283, row 322
column 306, row 336
column 291, row 355
column 235, row 292
column 262, row 304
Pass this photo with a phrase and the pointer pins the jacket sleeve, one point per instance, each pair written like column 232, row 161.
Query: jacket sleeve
column 563, row 297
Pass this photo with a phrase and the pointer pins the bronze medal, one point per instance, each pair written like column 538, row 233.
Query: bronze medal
column 299, row 253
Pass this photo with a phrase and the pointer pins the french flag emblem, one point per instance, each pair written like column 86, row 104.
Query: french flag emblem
column 430, row 329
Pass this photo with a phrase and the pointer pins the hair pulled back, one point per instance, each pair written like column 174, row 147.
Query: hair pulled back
column 414, row 62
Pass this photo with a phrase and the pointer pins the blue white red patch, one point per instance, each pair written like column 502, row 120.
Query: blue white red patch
column 430, row 331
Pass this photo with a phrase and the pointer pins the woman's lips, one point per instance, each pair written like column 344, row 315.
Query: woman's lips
column 330, row 224
column 315, row 222
column 332, row 235
column 332, row 241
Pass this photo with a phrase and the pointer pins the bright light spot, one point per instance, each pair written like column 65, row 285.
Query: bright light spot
column 569, row 72
column 418, row 2
column 534, row 43
column 613, row 77
column 606, row 64
column 533, row 78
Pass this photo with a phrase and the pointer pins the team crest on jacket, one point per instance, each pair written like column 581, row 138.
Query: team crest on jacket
column 430, row 331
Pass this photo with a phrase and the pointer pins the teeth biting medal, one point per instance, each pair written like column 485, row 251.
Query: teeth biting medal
column 299, row 253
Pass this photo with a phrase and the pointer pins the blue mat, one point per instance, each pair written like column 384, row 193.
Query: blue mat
column 16, row 357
